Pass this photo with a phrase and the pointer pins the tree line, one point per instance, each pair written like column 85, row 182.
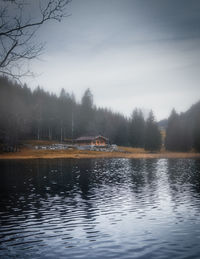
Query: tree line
column 183, row 130
column 40, row 115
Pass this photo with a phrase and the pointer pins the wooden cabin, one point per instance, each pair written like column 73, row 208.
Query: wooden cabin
column 92, row 141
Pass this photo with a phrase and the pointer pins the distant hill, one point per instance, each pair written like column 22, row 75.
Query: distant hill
column 190, row 116
column 163, row 124
column 183, row 130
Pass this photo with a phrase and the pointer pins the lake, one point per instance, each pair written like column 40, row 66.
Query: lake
column 100, row 208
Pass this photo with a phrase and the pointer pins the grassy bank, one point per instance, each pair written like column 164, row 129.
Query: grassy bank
column 124, row 152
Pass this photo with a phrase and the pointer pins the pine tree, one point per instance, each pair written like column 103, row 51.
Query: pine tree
column 152, row 134
column 196, row 135
column 136, row 129
column 86, row 118
column 172, row 140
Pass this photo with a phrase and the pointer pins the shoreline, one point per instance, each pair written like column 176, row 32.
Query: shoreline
column 131, row 153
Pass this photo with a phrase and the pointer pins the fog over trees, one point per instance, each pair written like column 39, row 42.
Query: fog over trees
column 40, row 115
column 137, row 129
column 183, row 130
column 152, row 136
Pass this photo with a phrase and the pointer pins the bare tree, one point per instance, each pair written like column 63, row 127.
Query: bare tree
column 19, row 22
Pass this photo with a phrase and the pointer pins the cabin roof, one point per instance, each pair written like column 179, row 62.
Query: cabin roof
column 90, row 138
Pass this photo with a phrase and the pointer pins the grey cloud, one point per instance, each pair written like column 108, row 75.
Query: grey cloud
column 134, row 50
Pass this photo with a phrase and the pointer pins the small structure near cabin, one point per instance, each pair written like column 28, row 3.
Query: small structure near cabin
column 92, row 141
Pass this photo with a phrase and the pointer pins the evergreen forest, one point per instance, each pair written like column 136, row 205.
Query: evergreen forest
column 40, row 115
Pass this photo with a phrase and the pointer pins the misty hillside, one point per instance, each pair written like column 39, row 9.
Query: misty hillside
column 183, row 130
column 26, row 114
column 163, row 124
column 192, row 114
column 40, row 115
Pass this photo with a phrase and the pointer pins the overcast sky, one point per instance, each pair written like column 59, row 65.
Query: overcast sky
column 130, row 53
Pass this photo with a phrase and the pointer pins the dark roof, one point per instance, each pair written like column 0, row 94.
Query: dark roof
column 85, row 138
column 90, row 138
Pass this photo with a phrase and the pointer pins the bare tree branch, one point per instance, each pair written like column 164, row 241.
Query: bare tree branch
column 7, row 54
column 17, row 30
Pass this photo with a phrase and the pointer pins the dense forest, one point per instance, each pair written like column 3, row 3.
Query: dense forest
column 183, row 130
column 40, row 115
column 26, row 114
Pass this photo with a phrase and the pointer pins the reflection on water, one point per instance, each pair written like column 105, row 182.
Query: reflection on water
column 100, row 208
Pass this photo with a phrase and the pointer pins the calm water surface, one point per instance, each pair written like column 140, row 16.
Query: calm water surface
column 100, row 208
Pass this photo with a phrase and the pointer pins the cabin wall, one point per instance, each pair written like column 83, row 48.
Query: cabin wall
column 99, row 142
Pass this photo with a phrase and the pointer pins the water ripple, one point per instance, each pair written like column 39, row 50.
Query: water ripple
column 101, row 208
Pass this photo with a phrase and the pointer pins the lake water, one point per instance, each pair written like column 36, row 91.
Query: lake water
column 100, row 208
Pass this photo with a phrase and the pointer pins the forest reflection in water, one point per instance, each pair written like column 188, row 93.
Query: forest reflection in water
column 100, row 208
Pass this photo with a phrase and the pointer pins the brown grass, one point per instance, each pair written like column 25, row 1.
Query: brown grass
column 133, row 150
column 125, row 152
column 40, row 142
